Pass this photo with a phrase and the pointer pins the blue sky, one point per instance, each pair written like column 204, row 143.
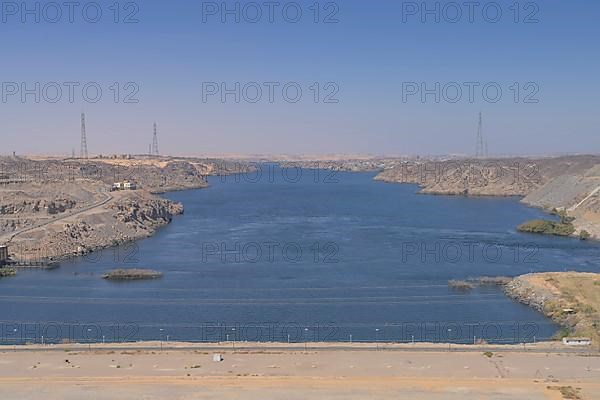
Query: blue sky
column 367, row 58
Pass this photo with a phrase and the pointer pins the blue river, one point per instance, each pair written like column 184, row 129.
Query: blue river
column 302, row 255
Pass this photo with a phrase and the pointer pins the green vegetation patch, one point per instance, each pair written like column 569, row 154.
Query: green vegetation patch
column 547, row 228
column 4, row 272
column 567, row 392
column 132, row 274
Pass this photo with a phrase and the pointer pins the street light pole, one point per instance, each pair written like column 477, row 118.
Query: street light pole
column 305, row 339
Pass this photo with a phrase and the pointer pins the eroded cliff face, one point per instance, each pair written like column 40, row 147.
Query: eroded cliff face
column 577, row 194
column 128, row 217
column 466, row 178
column 571, row 183
column 144, row 212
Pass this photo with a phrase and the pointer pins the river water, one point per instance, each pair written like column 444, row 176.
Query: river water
column 303, row 255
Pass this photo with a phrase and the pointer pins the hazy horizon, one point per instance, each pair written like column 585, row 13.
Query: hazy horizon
column 170, row 61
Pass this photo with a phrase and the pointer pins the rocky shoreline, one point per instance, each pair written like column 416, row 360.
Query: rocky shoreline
column 522, row 291
column 52, row 209
column 570, row 184
column 567, row 298
column 126, row 219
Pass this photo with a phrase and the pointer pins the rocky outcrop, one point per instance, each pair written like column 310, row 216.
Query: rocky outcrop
column 52, row 209
column 145, row 213
column 17, row 205
column 130, row 216
column 570, row 183
column 467, row 177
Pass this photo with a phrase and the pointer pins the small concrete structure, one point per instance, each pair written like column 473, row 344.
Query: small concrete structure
column 217, row 357
column 125, row 185
column 575, row 341
column 3, row 255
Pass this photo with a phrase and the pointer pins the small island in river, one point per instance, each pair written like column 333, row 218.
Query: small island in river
column 132, row 274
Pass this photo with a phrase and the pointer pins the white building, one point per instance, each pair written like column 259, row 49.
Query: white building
column 574, row 341
column 126, row 185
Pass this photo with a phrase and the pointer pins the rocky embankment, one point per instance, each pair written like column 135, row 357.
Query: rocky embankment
column 523, row 291
column 54, row 209
column 467, row 177
column 570, row 184
column 571, row 299
column 129, row 216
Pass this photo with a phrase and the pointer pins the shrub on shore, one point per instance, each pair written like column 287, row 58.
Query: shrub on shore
column 547, row 228
column 584, row 235
column 472, row 283
column 463, row 286
column 6, row 271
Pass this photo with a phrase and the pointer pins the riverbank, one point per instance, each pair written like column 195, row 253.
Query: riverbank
column 569, row 183
column 572, row 299
column 55, row 209
column 126, row 372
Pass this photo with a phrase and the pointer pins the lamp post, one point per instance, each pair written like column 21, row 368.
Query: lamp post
column 350, row 338
column 376, row 338
column 305, row 339
column 233, row 343
column 161, row 338
column 449, row 332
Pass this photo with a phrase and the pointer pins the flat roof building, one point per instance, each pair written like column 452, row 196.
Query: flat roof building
column 577, row 341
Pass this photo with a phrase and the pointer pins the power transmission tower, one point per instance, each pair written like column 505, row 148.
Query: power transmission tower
column 84, row 149
column 155, row 142
column 481, row 146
